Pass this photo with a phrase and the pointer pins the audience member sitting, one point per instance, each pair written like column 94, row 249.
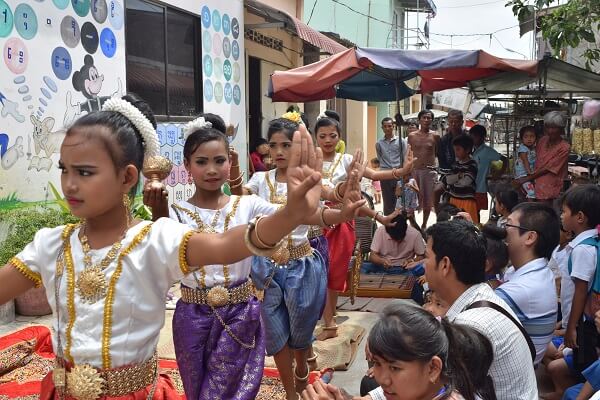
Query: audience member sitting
column 455, row 270
column 496, row 254
column 532, row 231
column 417, row 356
column 394, row 247
column 506, row 200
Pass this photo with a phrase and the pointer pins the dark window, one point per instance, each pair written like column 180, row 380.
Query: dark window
column 162, row 46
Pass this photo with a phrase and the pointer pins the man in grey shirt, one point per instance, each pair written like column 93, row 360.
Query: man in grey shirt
column 390, row 152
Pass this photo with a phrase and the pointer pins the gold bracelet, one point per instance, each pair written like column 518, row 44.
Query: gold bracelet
column 257, row 251
column 235, row 166
column 322, row 217
column 237, row 185
column 240, row 177
column 260, row 241
column 336, row 194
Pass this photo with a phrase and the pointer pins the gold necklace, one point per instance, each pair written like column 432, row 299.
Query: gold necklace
column 273, row 196
column 332, row 167
column 91, row 282
column 202, row 227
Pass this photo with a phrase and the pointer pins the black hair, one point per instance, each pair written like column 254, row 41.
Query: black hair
column 543, row 220
column 282, row 125
column 464, row 141
column 496, row 249
column 478, row 130
column 327, row 121
column 423, row 112
column 447, row 211
column 375, row 161
column 305, row 121
column 465, row 247
column 508, row 198
column 398, row 231
column 527, row 128
column 216, row 120
column 387, row 119
column 123, row 142
column 584, row 198
column 332, row 114
column 409, row 333
column 455, row 113
column 205, row 135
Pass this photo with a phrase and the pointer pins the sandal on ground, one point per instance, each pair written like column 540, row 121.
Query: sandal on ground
column 328, row 332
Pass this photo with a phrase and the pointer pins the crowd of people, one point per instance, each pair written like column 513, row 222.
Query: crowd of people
column 259, row 268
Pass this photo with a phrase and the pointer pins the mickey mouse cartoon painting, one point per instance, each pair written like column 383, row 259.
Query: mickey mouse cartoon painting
column 88, row 80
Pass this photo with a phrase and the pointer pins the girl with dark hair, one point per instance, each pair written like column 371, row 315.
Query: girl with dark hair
column 294, row 286
column 505, row 201
column 259, row 154
column 106, row 278
column 496, row 254
column 341, row 238
column 417, row 356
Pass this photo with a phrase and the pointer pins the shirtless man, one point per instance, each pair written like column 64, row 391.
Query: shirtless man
column 424, row 144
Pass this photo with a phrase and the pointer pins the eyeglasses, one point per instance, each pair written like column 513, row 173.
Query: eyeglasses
column 523, row 228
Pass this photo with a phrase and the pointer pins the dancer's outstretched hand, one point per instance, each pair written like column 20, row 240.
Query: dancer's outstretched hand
column 304, row 175
column 352, row 197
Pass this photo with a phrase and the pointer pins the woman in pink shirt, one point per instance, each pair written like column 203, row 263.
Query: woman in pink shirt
column 552, row 159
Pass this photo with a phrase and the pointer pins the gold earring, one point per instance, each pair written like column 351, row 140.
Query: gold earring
column 127, row 205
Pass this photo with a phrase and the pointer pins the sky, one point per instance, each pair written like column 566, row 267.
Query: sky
column 477, row 16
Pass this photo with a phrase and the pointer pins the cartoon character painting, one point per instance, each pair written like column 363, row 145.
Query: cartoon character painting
column 88, row 80
column 46, row 143
column 10, row 155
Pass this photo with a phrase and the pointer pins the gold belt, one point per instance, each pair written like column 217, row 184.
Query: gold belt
column 315, row 231
column 218, row 296
column 303, row 250
column 85, row 382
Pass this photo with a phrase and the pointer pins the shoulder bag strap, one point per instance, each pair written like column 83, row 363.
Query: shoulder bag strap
column 489, row 304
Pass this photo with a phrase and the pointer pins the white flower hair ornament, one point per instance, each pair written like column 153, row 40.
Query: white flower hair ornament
column 139, row 120
column 193, row 126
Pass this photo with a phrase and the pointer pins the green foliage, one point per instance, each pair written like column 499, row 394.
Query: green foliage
column 62, row 203
column 24, row 223
column 566, row 26
column 139, row 210
column 9, row 201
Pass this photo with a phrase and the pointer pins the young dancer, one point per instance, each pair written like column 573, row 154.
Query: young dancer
column 106, row 278
column 341, row 238
column 294, row 290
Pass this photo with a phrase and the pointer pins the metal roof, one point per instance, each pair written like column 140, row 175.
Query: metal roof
column 418, row 5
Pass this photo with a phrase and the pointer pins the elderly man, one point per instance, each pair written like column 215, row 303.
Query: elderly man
column 552, row 153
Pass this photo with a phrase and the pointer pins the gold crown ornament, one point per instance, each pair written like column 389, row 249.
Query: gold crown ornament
column 156, row 169
column 293, row 116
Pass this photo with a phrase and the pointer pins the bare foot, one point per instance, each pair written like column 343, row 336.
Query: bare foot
column 328, row 332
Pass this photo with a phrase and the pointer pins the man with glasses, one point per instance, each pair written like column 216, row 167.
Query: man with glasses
column 532, row 233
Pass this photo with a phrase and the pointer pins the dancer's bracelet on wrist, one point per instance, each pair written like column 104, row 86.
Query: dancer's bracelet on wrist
column 322, row 217
column 336, row 193
column 265, row 250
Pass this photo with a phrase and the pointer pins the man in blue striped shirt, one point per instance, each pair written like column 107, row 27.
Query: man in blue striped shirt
column 533, row 231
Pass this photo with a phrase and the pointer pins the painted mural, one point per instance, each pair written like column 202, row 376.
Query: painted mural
column 60, row 60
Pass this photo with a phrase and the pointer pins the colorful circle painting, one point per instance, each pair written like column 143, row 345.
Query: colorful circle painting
column 81, row 7
column 15, row 55
column 218, row 92
column 226, row 47
column 61, row 63
column 206, row 17
column 235, row 50
column 237, row 95
column 236, row 72
column 227, row 70
column 6, row 19
column 99, row 10
column 226, row 24
column 61, row 4
column 235, row 28
column 208, row 90
column 206, row 41
column 25, row 21
column 115, row 14
column 218, row 68
column 228, row 93
column 217, row 44
column 108, row 42
column 69, row 31
column 89, row 37
column 216, row 20
column 207, row 65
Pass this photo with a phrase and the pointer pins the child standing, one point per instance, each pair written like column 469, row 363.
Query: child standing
column 108, row 305
column 461, row 181
column 376, row 184
column 525, row 162
column 294, row 289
